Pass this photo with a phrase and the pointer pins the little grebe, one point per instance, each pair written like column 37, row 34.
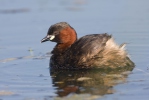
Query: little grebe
column 90, row 51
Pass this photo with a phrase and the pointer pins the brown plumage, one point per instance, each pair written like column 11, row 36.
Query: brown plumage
column 90, row 51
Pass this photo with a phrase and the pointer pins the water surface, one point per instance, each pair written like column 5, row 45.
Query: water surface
column 24, row 73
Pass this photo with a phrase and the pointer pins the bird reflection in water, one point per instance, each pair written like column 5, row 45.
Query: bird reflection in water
column 93, row 82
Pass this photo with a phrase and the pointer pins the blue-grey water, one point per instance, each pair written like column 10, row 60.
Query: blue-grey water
column 24, row 72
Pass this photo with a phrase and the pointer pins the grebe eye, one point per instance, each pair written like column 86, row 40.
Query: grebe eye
column 55, row 33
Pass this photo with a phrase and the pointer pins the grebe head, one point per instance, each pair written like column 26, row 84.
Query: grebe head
column 61, row 33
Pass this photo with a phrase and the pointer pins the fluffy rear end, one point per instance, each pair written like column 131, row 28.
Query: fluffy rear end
column 112, row 48
column 115, row 55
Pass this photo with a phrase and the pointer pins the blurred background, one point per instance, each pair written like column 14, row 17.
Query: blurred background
column 24, row 70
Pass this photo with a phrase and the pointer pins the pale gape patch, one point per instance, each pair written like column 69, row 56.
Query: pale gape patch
column 51, row 37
